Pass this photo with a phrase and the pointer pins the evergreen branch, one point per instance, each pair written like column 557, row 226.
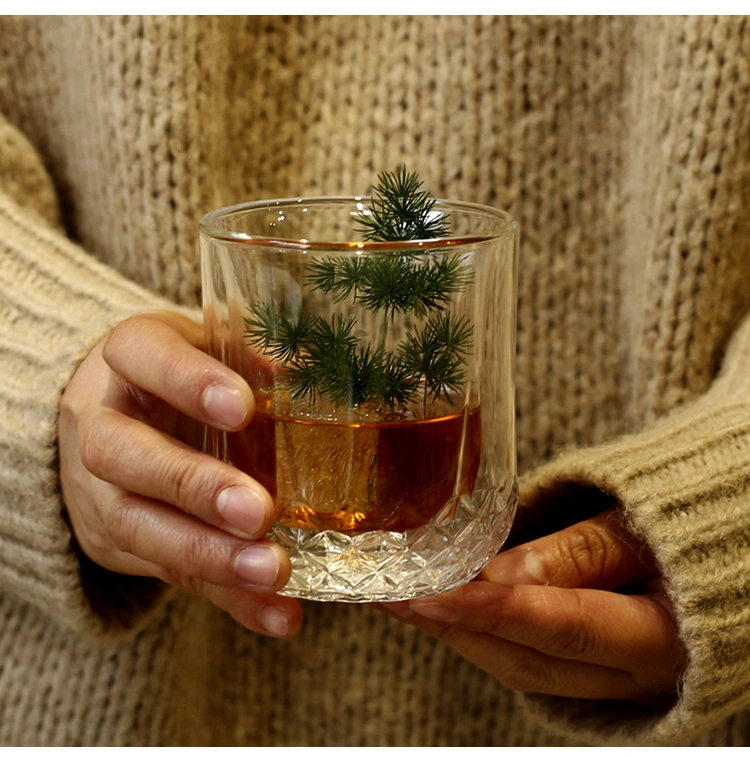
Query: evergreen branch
column 336, row 336
column 389, row 283
column 326, row 368
column 353, row 376
column 367, row 376
column 399, row 383
column 400, row 212
column 304, row 377
column 437, row 353
column 392, row 282
column 281, row 337
column 455, row 335
column 324, row 358
column 436, row 281
column 338, row 276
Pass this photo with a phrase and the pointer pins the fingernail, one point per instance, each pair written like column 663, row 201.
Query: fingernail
column 400, row 609
column 433, row 610
column 258, row 565
column 274, row 620
column 225, row 406
column 243, row 508
column 519, row 566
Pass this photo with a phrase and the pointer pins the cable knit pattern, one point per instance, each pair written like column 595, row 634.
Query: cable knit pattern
column 622, row 146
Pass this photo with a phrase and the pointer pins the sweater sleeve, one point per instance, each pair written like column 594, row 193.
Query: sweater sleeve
column 684, row 485
column 56, row 303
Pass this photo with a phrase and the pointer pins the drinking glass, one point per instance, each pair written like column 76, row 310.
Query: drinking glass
column 384, row 388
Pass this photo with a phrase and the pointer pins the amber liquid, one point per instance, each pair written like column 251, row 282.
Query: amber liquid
column 388, row 475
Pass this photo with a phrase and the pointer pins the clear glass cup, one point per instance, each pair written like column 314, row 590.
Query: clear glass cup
column 383, row 375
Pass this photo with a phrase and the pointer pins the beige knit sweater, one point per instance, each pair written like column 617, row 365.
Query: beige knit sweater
column 621, row 145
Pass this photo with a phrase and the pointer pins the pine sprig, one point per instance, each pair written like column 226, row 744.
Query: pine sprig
column 328, row 362
column 339, row 277
column 392, row 282
column 326, row 359
column 280, row 337
column 437, row 353
column 324, row 366
column 400, row 211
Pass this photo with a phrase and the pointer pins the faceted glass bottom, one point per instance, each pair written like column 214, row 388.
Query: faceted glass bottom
column 384, row 566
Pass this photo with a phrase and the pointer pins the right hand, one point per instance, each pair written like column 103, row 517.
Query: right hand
column 141, row 498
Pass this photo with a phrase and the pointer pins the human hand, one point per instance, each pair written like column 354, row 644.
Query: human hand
column 142, row 500
column 579, row 613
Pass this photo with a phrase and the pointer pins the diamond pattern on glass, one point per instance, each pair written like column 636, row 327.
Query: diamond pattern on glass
column 382, row 566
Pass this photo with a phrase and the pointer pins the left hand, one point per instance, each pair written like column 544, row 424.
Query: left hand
column 579, row 613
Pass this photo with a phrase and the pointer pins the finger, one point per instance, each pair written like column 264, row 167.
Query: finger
column 628, row 632
column 146, row 461
column 158, row 354
column 152, row 539
column 522, row 668
column 272, row 615
column 599, row 553
column 269, row 614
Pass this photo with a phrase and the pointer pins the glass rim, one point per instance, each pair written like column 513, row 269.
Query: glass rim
column 209, row 227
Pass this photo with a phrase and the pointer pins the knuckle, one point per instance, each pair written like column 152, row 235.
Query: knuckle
column 178, row 370
column 192, row 481
column 573, row 643
column 68, row 405
column 100, row 442
column 123, row 336
column 124, row 522
column 444, row 632
column 530, row 672
column 91, row 447
column 196, row 554
column 589, row 551
column 575, row 637
column 95, row 543
column 176, row 366
column 184, row 581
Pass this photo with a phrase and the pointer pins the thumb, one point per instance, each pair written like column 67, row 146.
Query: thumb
column 599, row 553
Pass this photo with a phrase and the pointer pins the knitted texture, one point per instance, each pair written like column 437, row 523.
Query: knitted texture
column 37, row 355
column 684, row 486
column 622, row 147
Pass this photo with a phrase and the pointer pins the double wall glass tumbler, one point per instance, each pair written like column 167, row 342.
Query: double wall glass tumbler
column 384, row 390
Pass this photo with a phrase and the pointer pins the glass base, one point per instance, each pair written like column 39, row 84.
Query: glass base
column 386, row 566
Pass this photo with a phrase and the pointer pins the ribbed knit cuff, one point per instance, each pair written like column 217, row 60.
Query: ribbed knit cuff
column 56, row 303
column 685, row 487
